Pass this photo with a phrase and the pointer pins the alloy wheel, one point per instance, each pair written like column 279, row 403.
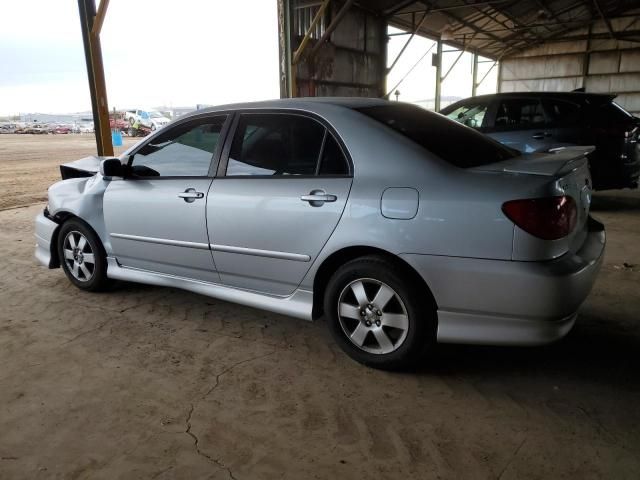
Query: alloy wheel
column 373, row 316
column 79, row 256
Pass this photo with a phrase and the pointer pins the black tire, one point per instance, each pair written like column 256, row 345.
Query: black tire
column 70, row 232
column 415, row 306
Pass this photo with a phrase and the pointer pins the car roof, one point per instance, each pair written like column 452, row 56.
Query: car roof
column 301, row 103
column 566, row 95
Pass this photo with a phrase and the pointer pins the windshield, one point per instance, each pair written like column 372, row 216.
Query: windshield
column 452, row 142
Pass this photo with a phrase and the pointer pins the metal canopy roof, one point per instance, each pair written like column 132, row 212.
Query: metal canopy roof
column 498, row 28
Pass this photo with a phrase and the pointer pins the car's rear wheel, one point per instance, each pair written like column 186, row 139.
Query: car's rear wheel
column 377, row 315
column 82, row 256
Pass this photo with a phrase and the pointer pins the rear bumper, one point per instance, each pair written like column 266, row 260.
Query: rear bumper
column 509, row 302
column 45, row 231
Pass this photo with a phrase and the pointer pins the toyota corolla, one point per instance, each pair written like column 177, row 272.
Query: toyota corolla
column 401, row 227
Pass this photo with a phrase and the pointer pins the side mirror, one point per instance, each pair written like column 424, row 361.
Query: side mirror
column 111, row 167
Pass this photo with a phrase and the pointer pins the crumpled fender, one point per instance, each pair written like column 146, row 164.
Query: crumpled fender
column 82, row 197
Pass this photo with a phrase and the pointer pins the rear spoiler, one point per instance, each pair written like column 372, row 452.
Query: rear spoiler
column 555, row 162
column 584, row 149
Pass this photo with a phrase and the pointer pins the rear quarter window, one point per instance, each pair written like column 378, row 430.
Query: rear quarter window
column 452, row 142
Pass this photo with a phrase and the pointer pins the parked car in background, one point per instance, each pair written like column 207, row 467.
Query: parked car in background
column 86, row 127
column 8, row 128
column 148, row 118
column 60, row 129
column 34, row 129
column 118, row 122
column 539, row 122
column 402, row 226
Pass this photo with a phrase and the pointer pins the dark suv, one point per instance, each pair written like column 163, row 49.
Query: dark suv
column 537, row 122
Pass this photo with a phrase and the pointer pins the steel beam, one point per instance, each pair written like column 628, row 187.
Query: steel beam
column 604, row 19
column 404, row 47
column 386, row 95
column 95, row 73
column 486, row 74
column 438, row 77
column 474, row 75
column 452, row 65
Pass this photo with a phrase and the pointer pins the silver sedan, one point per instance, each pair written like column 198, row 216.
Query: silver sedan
column 401, row 227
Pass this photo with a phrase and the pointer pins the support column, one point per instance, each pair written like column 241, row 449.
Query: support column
column 438, row 75
column 95, row 72
column 284, row 34
column 474, row 85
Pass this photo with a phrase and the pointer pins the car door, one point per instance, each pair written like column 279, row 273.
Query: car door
column 565, row 120
column 156, row 216
column 521, row 123
column 283, row 187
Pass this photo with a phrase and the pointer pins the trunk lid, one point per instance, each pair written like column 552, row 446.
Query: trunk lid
column 567, row 171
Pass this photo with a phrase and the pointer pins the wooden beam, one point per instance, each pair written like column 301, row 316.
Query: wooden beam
column 332, row 26
column 99, row 19
column 95, row 73
column 307, row 36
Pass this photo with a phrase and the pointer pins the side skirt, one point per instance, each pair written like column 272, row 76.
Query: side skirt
column 299, row 304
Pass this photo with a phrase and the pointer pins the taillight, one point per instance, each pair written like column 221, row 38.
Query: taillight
column 547, row 218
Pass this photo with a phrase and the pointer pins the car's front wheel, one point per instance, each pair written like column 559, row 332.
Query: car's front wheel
column 377, row 315
column 82, row 256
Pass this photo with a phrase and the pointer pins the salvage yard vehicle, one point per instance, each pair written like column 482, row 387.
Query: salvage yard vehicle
column 539, row 122
column 34, row 129
column 404, row 228
column 147, row 118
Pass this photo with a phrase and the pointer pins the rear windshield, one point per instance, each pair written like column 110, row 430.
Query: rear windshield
column 452, row 142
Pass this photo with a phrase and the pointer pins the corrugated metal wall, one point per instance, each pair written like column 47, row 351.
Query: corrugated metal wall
column 351, row 63
column 581, row 59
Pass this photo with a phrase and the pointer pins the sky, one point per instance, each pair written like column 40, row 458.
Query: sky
column 155, row 53
column 173, row 54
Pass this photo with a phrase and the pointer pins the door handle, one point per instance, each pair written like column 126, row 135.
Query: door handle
column 190, row 195
column 541, row 135
column 317, row 198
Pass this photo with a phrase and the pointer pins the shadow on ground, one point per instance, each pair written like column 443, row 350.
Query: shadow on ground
column 614, row 201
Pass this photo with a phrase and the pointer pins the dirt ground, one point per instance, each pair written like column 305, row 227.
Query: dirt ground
column 147, row 382
column 29, row 163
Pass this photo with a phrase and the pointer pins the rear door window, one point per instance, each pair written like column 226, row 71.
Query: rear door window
column 333, row 161
column 562, row 113
column 519, row 114
column 275, row 144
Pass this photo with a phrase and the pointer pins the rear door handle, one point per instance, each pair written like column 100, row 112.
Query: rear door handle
column 190, row 195
column 317, row 198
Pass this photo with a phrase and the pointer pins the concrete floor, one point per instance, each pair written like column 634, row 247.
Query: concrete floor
column 147, row 382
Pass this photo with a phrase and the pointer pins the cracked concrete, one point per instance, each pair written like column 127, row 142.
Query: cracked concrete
column 196, row 440
column 146, row 382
